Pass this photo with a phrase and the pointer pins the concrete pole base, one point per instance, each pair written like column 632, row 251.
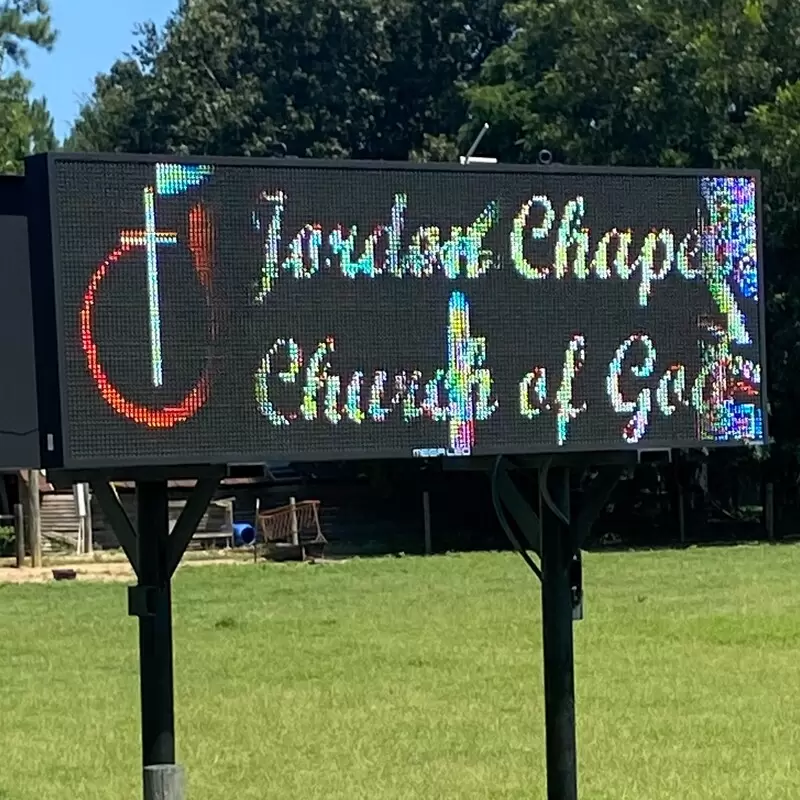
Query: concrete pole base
column 164, row 782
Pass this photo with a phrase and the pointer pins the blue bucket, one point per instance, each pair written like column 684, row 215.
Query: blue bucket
column 244, row 534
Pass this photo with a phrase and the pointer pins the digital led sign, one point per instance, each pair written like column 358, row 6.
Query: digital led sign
column 19, row 424
column 236, row 310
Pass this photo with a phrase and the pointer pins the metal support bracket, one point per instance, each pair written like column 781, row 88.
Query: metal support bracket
column 143, row 600
column 520, row 509
column 182, row 532
column 576, row 585
column 594, row 500
column 117, row 518
column 192, row 513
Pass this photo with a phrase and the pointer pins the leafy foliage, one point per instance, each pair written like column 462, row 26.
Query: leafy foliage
column 773, row 143
column 25, row 124
column 345, row 78
column 658, row 82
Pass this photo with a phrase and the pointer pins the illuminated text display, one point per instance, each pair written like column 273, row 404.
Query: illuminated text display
column 239, row 311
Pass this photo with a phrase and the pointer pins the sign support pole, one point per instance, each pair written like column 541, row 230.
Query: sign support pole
column 557, row 616
column 155, row 553
column 555, row 533
column 155, row 627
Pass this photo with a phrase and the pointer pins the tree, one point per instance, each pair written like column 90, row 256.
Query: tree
column 354, row 78
column 25, row 123
column 658, row 82
column 773, row 143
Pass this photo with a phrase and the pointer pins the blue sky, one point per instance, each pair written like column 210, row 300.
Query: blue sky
column 92, row 35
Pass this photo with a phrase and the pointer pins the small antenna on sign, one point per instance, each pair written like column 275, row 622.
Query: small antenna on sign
column 469, row 158
column 276, row 149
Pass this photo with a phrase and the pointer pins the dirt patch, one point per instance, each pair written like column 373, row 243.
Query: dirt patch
column 110, row 571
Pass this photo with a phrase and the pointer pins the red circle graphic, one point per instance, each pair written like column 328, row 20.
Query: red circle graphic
column 167, row 416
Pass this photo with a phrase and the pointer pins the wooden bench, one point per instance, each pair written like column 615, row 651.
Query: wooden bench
column 215, row 527
column 209, row 539
column 290, row 533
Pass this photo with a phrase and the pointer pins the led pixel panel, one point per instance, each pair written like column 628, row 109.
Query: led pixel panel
column 249, row 310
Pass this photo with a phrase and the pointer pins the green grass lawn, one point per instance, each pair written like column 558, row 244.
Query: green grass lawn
column 416, row 678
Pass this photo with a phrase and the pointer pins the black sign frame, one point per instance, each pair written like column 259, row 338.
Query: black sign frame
column 49, row 316
column 19, row 426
